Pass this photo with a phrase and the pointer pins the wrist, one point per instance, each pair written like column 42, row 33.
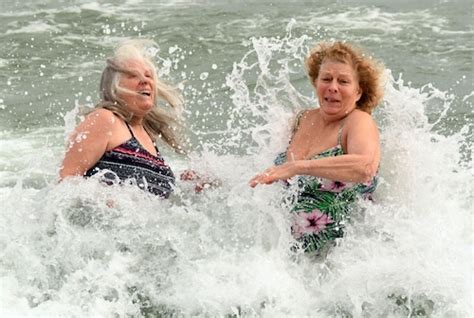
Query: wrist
column 298, row 167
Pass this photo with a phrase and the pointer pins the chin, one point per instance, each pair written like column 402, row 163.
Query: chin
column 331, row 109
column 147, row 108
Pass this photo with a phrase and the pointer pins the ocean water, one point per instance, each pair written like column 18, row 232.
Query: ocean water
column 66, row 251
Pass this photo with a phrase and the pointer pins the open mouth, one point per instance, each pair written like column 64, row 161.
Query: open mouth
column 332, row 100
column 145, row 93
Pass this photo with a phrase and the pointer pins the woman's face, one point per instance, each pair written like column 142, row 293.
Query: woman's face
column 140, row 85
column 337, row 87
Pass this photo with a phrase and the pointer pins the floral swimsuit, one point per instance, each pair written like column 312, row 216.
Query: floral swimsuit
column 321, row 207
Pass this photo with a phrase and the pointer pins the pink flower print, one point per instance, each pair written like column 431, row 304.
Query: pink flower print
column 313, row 222
column 334, row 186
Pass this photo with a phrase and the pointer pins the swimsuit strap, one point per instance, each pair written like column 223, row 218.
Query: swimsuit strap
column 298, row 121
column 339, row 133
column 296, row 125
column 130, row 130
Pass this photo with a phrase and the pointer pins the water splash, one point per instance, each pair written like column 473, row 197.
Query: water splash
column 82, row 249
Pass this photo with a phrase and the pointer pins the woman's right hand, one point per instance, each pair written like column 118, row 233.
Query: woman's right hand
column 275, row 173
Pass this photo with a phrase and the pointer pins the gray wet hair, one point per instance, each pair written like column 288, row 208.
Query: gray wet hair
column 159, row 122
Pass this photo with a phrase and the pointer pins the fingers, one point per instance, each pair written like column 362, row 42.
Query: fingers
column 263, row 178
column 254, row 181
column 189, row 175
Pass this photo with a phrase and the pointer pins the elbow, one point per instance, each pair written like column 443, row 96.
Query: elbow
column 368, row 172
column 65, row 172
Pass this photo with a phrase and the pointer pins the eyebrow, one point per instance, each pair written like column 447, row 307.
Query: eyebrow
column 340, row 74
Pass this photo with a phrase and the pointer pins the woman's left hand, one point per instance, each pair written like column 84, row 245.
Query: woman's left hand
column 272, row 174
column 200, row 182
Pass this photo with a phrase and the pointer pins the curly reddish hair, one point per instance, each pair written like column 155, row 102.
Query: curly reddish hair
column 367, row 69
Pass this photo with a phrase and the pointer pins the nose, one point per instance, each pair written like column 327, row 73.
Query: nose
column 144, row 80
column 333, row 87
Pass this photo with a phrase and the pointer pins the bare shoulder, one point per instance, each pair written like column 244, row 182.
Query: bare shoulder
column 306, row 115
column 99, row 123
column 102, row 116
column 358, row 118
column 358, row 115
column 100, row 120
column 297, row 119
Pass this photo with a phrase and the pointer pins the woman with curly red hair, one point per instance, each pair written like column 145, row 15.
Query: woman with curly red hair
column 334, row 151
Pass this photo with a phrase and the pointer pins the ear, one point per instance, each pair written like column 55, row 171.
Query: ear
column 359, row 94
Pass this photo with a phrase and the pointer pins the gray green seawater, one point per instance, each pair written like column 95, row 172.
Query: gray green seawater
column 239, row 64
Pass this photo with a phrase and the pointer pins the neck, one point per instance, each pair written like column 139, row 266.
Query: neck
column 136, row 121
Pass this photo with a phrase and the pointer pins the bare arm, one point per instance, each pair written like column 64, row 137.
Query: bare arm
column 358, row 165
column 87, row 143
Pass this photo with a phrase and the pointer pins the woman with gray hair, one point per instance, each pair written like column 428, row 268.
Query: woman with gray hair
column 117, row 139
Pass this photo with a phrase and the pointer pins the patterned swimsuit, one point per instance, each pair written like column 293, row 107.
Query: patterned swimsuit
column 131, row 162
column 320, row 206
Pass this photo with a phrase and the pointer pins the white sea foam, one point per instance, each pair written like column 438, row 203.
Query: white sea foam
column 375, row 19
column 19, row 164
column 3, row 62
column 24, row 12
column 37, row 27
column 80, row 248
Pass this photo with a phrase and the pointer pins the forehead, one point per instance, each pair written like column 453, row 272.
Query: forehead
column 336, row 67
column 137, row 65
